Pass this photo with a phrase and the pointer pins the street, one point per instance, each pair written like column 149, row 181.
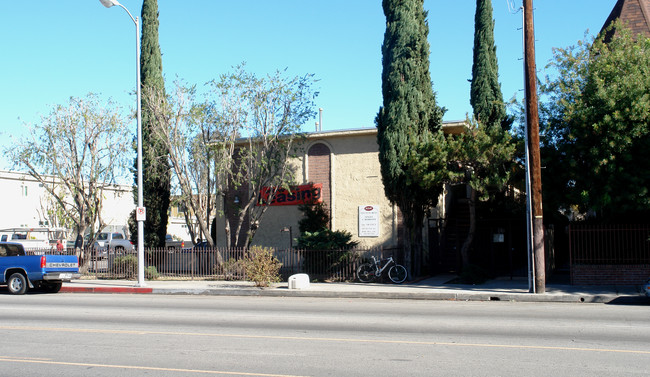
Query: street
column 177, row 335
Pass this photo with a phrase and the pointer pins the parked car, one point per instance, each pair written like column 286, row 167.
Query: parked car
column 202, row 245
column 647, row 288
column 113, row 241
column 171, row 244
column 20, row 272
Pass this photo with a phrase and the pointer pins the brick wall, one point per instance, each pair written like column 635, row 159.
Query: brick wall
column 622, row 274
column 635, row 14
column 319, row 170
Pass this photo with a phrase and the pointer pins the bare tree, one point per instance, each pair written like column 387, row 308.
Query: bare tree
column 75, row 153
column 240, row 136
column 183, row 126
column 268, row 112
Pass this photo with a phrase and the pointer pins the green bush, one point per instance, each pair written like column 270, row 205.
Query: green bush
column 151, row 273
column 125, row 265
column 261, row 266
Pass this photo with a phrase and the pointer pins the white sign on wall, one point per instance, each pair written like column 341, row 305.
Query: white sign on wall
column 369, row 221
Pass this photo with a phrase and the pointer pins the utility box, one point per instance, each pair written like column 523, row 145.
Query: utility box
column 299, row 281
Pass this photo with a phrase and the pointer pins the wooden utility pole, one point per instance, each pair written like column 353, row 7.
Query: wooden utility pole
column 532, row 125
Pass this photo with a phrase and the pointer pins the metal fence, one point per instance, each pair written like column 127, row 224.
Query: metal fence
column 221, row 263
column 609, row 244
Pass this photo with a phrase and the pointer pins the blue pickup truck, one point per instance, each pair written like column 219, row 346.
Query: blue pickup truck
column 20, row 272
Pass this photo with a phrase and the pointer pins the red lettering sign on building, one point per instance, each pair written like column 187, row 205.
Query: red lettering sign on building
column 297, row 195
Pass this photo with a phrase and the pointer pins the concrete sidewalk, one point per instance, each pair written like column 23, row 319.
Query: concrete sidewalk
column 435, row 288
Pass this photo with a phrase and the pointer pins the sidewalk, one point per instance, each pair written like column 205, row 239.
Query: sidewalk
column 434, row 288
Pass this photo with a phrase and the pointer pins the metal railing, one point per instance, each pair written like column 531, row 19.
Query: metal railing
column 222, row 263
column 609, row 244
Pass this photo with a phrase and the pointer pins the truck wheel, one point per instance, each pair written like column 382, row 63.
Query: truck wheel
column 52, row 286
column 17, row 283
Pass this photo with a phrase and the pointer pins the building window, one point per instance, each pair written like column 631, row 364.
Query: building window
column 23, row 190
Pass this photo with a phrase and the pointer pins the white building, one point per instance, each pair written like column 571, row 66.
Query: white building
column 25, row 201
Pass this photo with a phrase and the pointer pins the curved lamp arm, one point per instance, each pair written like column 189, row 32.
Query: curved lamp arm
column 111, row 3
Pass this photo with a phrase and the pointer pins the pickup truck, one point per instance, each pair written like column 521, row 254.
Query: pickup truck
column 20, row 272
column 113, row 241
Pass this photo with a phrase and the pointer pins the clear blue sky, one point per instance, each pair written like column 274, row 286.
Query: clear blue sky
column 52, row 50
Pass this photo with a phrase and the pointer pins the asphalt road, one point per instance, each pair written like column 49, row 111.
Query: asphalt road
column 161, row 335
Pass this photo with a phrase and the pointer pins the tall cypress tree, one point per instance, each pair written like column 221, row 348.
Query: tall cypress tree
column 156, row 169
column 409, row 114
column 485, row 92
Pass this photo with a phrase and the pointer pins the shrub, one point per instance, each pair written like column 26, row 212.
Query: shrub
column 125, row 265
column 261, row 266
column 231, row 269
column 151, row 273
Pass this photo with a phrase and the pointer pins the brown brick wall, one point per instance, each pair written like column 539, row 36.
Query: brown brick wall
column 633, row 16
column 610, row 274
column 633, row 13
column 319, row 170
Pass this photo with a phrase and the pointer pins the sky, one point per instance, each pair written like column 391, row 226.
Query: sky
column 54, row 50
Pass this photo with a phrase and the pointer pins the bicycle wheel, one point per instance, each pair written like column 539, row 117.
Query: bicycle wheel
column 397, row 274
column 366, row 273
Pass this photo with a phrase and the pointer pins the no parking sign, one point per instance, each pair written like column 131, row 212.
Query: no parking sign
column 140, row 214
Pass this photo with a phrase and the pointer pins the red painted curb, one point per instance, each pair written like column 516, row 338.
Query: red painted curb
column 105, row 290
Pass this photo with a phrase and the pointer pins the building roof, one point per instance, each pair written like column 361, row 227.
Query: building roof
column 635, row 14
column 448, row 127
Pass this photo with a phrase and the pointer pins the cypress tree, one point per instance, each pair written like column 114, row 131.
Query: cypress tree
column 485, row 92
column 156, row 169
column 409, row 114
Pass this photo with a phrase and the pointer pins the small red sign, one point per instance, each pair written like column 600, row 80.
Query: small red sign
column 369, row 208
column 303, row 194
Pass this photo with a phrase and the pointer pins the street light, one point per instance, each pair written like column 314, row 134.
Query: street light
column 290, row 230
column 140, row 211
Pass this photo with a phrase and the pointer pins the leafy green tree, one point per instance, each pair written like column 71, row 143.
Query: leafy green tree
column 482, row 158
column 485, row 91
column 596, row 120
column 156, row 169
column 408, row 116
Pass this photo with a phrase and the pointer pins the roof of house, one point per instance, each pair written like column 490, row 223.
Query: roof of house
column 635, row 14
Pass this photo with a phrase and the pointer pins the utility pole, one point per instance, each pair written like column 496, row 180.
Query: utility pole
column 532, row 125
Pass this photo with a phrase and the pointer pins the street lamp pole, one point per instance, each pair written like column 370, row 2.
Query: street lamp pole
column 140, row 213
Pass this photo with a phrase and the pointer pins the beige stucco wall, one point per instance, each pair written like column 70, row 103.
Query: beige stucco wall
column 355, row 181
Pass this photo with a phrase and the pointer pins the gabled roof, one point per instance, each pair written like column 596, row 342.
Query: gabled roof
column 635, row 14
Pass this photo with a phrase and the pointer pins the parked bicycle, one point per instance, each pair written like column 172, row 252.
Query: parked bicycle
column 368, row 272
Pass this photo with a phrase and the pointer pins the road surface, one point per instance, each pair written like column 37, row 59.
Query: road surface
column 160, row 335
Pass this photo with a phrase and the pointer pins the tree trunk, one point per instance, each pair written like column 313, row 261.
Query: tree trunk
column 413, row 218
column 471, row 204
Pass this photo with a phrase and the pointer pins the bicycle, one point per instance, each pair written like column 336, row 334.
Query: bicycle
column 368, row 272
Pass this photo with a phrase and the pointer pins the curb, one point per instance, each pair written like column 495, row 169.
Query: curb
column 133, row 290
column 439, row 296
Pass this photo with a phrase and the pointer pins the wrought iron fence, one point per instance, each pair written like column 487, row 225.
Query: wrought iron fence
column 609, row 244
column 223, row 263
